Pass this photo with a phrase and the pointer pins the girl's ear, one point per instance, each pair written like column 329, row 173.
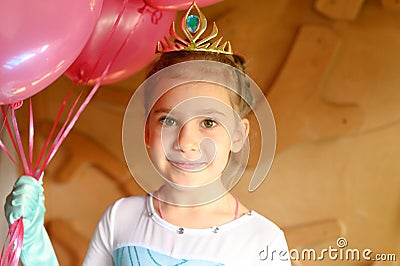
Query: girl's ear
column 240, row 135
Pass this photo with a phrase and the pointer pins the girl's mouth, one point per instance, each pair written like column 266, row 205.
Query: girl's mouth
column 189, row 166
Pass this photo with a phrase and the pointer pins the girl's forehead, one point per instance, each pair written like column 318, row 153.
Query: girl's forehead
column 194, row 90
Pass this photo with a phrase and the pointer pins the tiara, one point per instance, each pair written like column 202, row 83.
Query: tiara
column 193, row 25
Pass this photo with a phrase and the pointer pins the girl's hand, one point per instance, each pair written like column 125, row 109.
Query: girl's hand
column 26, row 200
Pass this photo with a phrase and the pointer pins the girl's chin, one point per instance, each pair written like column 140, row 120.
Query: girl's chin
column 189, row 180
column 185, row 182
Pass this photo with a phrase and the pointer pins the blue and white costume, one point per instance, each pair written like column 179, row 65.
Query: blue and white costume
column 132, row 233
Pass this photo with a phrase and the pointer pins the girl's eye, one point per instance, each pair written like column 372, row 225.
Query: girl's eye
column 208, row 123
column 168, row 122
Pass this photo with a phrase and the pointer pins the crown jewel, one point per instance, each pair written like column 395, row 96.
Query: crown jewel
column 193, row 25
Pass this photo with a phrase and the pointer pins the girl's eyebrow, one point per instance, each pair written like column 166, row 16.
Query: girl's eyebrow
column 202, row 112
column 162, row 110
column 212, row 112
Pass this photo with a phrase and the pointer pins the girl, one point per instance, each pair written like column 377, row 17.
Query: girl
column 187, row 147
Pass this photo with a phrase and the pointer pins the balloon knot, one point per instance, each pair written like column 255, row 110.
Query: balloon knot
column 17, row 105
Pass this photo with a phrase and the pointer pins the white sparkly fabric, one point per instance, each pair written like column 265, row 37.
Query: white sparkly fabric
column 131, row 233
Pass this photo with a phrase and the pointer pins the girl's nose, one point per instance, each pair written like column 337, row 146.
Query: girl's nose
column 188, row 139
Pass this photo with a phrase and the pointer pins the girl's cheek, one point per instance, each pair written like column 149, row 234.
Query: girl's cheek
column 168, row 138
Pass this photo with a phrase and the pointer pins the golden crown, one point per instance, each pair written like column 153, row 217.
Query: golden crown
column 193, row 25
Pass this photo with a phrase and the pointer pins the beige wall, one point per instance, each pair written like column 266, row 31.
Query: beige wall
column 8, row 173
column 330, row 70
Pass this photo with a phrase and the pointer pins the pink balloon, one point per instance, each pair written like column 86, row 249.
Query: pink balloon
column 178, row 4
column 144, row 26
column 39, row 40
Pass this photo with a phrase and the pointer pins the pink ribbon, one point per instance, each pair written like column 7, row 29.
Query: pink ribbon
column 15, row 237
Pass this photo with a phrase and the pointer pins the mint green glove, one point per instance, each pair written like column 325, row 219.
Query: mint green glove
column 27, row 201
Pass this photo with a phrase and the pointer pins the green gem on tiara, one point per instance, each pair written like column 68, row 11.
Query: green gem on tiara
column 192, row 23
column 193, row 27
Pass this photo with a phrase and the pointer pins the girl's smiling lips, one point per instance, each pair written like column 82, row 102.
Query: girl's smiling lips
column 189, row 166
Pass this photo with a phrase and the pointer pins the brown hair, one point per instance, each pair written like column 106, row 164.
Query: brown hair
column 171, row 58
column 242, row 104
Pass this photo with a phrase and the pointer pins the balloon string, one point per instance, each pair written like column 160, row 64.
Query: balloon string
column 4, row 120
column 15, row 234
column 14, row 238
column 76, row 116
column 10, row 134
column 108, row 41
column 2, row 146
column 16, row 242
column 53, row 148
column 44, row 148
column 19, row 142
column 31, row 134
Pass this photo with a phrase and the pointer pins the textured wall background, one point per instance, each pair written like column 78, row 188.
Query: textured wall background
column 329, row 69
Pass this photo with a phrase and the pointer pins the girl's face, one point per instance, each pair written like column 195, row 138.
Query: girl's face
column 191, row 131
